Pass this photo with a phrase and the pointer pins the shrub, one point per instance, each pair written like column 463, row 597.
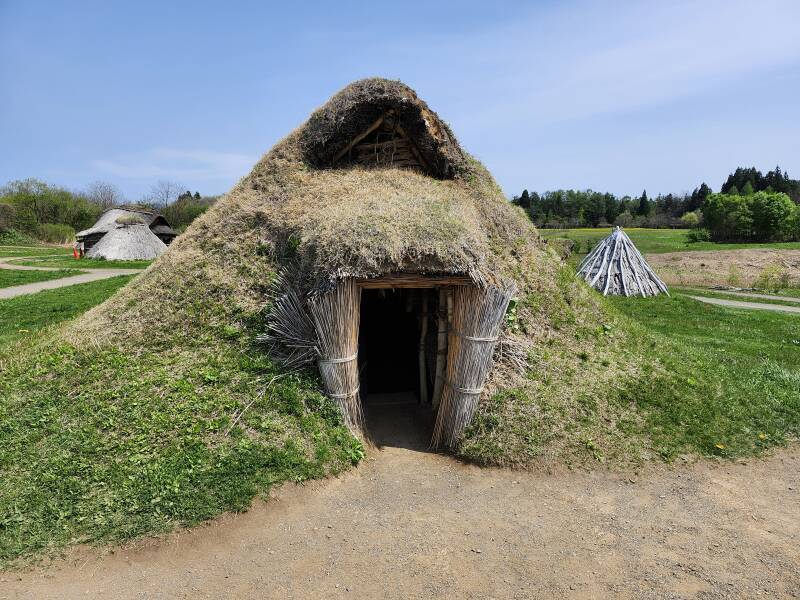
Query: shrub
column 7, row 213
column 773, row 278
column 762, row 216
column 773, row 215
column 698, row 235
column 734, row 276
column 56, row 233
column 691, row 219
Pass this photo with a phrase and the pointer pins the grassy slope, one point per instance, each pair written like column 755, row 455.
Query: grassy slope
column 23, row 316
column 107, row 445
column 735, row 376
column 714, row 381
column 653, row 241
column 9, row 277
column 86, row 263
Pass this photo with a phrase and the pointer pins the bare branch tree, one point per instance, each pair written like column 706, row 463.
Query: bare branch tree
column 164, row 193
column 104, row 194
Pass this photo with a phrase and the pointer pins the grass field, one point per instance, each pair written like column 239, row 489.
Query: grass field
column 132, row 457
column 135, row 455
column 652, row 241
column 23, row 316
column 736, row 387
column 68, row 261
column 10, row 277
column 32, row 251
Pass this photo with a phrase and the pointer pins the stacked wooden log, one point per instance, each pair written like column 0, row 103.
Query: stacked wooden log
column 616, row 267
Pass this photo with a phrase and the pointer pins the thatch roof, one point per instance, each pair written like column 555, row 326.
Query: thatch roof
column 616, row 267
column 360, row 105
column 349, row 220
column 114, row 218
column 132, row 242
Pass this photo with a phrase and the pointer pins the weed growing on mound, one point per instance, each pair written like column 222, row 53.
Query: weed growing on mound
column 105, row 445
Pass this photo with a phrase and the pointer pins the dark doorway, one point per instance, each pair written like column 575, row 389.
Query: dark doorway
column 388, row 342
column 388, row 350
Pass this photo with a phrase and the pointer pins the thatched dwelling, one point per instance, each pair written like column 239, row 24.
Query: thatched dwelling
column 130, row 242
column 616, row 267
column 382, row 256
column 124, row 217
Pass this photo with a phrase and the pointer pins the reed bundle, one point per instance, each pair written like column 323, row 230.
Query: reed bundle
column 337, row 315
column 477, row 318
column 290, row 334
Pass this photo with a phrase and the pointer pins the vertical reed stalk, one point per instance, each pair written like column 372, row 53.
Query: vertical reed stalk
column 441, row 346
column 423, row 334
column 336, row 317
column 477, row 317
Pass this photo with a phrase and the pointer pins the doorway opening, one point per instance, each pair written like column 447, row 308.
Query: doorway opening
column 390, row 335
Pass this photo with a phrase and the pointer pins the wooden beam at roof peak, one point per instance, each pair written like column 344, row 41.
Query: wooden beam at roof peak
column 361, row 136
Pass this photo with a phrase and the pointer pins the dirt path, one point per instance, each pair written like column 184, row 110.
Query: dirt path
column 750, row 295
column 31, row 288
column 410, row 524
column 742, row 304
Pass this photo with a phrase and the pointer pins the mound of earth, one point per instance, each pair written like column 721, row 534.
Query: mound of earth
column 158, row 407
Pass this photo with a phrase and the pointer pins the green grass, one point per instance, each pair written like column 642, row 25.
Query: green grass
column 718, row 381
column 23, row 316
column 708, row 381
column 32, row 251
column 653, row 241
column 85, row 263
column 10, row 277
column 104, row 446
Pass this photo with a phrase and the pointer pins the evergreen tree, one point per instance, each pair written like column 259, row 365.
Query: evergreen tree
column 644, row 205
column 525, row 200
column 747, row 189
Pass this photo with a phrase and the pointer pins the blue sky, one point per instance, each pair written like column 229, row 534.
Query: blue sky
column 612, row 96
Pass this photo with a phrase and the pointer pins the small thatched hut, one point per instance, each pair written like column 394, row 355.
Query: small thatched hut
column 136, row 235
column 386, row 258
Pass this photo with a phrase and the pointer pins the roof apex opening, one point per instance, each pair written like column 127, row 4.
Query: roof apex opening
column 378, row 122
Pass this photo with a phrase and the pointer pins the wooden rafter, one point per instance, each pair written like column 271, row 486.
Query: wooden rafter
column 423, row 163
column 361, row 136
column 412, row 280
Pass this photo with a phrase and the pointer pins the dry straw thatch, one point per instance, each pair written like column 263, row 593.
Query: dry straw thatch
column 332, row 223
column 132, row 242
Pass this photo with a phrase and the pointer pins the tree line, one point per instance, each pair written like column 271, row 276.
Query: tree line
column 749, row 207
column 31, row 208
column 563, row 209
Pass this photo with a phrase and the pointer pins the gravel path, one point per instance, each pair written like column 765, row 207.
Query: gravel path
column 742, row 304
column 411, row 524
column 751, row 295
column 31, row 288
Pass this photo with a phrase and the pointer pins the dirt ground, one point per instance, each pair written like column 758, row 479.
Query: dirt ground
column 412, row 524
column 724, row 267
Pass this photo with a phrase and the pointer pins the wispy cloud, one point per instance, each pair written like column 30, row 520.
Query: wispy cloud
column 582, row 59
column 177, row 164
